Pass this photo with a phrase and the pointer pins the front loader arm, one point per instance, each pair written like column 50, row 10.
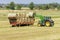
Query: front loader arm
column 39, row 16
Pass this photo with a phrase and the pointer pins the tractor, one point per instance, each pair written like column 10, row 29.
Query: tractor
column 44, row 20
column 20, row 19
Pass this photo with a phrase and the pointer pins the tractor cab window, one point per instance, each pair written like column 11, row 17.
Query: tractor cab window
column 47, row 17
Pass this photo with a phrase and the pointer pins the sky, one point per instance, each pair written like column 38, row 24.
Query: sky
column 28, row 1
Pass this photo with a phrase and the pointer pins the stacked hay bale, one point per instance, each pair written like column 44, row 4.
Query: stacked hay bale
column 30, row 14
column 12, row 15
column 26, row 18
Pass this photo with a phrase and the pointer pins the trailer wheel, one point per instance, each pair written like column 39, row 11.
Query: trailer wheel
column 13, row 25
column 17, row 25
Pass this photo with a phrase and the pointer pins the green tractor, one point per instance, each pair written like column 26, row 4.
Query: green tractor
column 45, row 21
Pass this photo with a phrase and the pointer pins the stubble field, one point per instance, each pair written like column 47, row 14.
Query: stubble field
column 30, row 32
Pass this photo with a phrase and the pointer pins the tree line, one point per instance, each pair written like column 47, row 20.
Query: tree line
column 32, row 6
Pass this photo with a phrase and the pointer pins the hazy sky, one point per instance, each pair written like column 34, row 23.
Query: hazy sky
column 28, row 1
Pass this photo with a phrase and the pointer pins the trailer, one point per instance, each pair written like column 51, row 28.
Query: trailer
column 21, row 19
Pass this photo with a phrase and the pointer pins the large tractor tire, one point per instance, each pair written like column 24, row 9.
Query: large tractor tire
column 49, row 24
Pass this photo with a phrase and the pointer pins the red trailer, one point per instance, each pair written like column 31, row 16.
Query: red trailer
column 20, row 19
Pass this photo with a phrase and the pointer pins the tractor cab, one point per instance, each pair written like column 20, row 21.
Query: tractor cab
column 47, row 17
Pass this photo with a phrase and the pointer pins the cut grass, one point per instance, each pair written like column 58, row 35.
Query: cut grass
column 30, row 32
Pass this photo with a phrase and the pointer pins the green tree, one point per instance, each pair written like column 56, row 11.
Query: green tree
column 53, row 5
column 7, row 7
column 31, row 5
column 40, row 6
column 58, row 7
column 43, row 6
column 12, row 5
column 19, row 7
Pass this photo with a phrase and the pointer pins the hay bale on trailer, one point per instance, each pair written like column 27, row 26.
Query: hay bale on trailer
column 31, row 14
column 12, row 15
column 22, row 18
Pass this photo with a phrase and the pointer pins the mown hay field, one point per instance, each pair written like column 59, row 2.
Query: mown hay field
column 30, row 32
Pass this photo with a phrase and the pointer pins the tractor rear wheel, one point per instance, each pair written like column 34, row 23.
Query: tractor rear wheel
column 48, row 23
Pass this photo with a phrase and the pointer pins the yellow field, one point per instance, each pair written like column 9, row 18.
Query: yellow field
column 30, row 32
